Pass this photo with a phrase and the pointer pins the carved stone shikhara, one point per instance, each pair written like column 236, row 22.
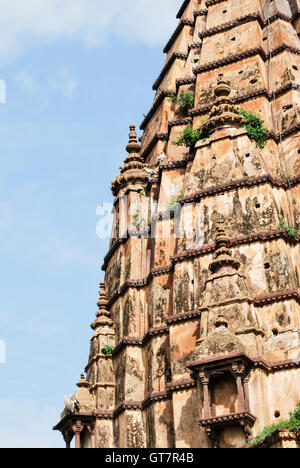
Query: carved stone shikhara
column 196, row 342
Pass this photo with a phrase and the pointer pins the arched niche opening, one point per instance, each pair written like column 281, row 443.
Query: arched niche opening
column 224, row 395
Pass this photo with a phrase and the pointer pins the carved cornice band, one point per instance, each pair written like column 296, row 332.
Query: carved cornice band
column 243, row 55
column 240, row 183
column 242, row 240
column 157, row 137
column 238, row 98
column 276, row 297
column 242, row 20
column 166, row 68
column 159, row 99
column 183, row 22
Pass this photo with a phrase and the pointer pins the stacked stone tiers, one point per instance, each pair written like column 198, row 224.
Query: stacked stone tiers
column 157, row 309
column 161, row 293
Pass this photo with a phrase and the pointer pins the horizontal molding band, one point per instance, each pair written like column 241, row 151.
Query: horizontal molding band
column 276, row 297
column 242, row 240
column 209, row 3
column 243, row 55
column 181, row 121
column 136, row 341
column 235, row 184
column 157, row 137
column 187, row 316
column 182, row 8
column 181, row 25
column 166, row 68
column 137, row 284
column 243, row 20
column 185, row 81
column 195, row 45
column 159, row 99
column 239, row 98
column 173, row 165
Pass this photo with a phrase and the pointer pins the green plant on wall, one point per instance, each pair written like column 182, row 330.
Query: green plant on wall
column 173, row 204
column 286, row 176
column 136, row 219
column 173, row 98
column 288, row 229
column 185, row 101
column 107, row 350
column 293, row 424
column 255, row 128
column 190, row 137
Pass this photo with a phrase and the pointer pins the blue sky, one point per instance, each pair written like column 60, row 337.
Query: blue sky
column 77, row 74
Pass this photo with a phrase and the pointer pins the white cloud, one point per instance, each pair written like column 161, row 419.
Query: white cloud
column 27, row 83
column 24, row 25
column 63, row 82
column 28, row 424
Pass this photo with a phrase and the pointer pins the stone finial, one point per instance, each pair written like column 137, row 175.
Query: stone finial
column 132, row 172
column 133, row 146
column 223, row 112
column 223, row 254
column 222, row 89
column 103, row 316
column 83, row 383
column 103, row 302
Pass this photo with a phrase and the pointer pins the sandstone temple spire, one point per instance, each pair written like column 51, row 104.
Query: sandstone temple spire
column 197, row 340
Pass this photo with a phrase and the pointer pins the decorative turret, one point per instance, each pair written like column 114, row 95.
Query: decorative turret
column 83, row 383
column 133, row 170
column 103, row 316
column 223, row 113
column 223, row 255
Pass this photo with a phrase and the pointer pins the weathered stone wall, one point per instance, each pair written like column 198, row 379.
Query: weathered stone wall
column 164, row 294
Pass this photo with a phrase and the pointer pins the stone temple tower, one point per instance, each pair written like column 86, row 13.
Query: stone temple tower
column 197, row 338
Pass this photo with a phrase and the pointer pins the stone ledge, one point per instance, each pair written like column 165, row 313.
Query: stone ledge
column 276, row 437
column 183, row 22
column 239, row 98
column 185, row 81
column 239, row 183
column 159, row 99
column 276, row 297
column 156, row 138
column 182, row 8
column 242, row 20
column 242, row 240
column 183, row 384
column 243, row 55
column 227, row 419
column 166, row 68
column 209, row 3
column 194, row 314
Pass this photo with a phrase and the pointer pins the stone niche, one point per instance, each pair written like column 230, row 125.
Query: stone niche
column 224, row 398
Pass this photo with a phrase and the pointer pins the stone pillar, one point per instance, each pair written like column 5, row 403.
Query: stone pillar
column 239, row 371
column 91, row 430
column 206, row 403
column 246, row 392
column 77, row 429
column 67, row 438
